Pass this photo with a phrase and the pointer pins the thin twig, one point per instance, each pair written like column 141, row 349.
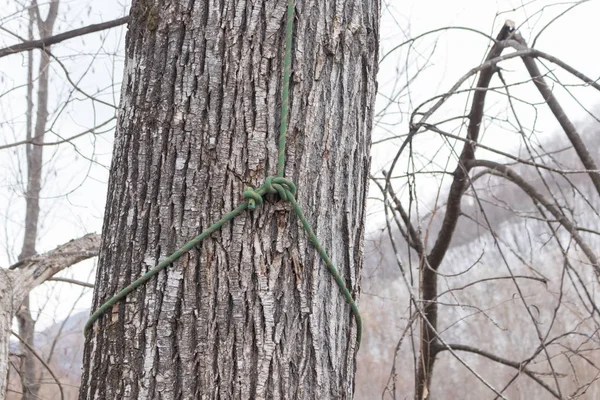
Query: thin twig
column 36, row 355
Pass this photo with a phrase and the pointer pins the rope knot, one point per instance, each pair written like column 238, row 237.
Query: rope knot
column 282, row 185
column 273, row 184
column 254, row 198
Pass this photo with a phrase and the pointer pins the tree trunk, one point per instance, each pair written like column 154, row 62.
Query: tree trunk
column 252, row 312
column 6, row 315
column 29, row 379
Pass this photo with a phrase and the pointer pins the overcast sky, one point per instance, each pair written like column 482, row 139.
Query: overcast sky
column 75, row 189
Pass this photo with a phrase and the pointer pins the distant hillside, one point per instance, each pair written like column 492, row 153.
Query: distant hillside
column 61, row 346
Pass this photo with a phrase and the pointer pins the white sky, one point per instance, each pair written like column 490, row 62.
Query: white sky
column 75, row 189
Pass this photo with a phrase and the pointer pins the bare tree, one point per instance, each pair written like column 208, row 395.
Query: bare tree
column 34, row 155
column 41, row 120
column 545, row 192
column 18, row 281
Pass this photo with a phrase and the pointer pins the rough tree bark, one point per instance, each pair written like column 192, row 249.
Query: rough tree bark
column 34, row 153
column 252, row 312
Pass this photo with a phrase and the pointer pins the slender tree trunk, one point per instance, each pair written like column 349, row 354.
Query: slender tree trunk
column 252, row 312
column 429, row 293
column 24, row 319
column 6, row 316
column 34, row 153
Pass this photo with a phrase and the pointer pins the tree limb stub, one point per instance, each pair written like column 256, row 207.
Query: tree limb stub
column 37, row 269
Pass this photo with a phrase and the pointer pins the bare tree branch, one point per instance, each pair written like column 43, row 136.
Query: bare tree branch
column 559, row 113
column 33, row 142
column 73, row 281
column 516, row 365
column 40, row 359
column 39, row 268
column 502, row 170
column 42, row 43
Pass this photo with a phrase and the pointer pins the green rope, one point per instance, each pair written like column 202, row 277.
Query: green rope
column 330, row 266
column 278, row 184
column 285, row 92
column 163, row 264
